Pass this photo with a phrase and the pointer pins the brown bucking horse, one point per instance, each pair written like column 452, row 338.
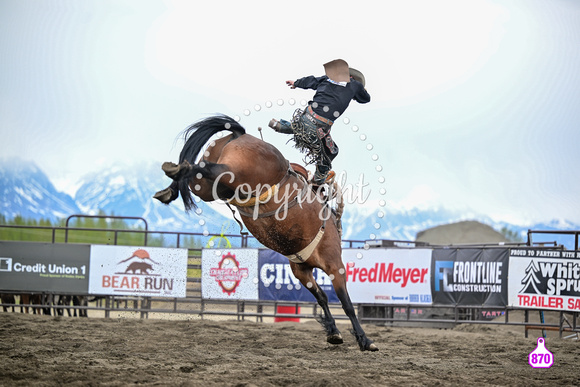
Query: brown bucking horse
column 286, row 215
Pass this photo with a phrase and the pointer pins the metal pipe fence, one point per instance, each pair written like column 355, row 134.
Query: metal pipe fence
column 194, row 306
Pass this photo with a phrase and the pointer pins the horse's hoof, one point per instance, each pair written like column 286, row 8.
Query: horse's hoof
column 170, row 169
column 372, row 347
column 334, row 338
column 165, row 196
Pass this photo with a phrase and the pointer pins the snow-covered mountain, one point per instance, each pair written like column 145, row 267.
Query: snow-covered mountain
column 128, row 191
column 26, row 191
column 361, row 223
column 365, row 222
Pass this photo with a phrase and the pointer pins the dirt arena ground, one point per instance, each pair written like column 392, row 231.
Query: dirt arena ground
column 51, row 351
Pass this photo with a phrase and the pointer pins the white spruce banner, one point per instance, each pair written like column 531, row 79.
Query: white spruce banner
column 544, row 279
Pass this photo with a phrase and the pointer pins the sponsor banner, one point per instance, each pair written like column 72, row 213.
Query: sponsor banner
column 278, row 283
column 138, row 271
column 388, row 276
column 544, row 279
column 470, row 276
column 44, row 267
column 229, row 274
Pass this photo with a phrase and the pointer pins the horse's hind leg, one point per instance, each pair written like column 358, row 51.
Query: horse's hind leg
column 304, row 274
column 339, row 283
column 176, row 172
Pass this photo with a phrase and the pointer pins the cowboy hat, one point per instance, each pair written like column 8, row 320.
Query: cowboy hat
column 357, row 75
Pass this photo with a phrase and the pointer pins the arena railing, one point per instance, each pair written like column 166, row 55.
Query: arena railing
column 194, row 305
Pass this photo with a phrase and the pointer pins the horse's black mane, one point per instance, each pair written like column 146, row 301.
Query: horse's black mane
column 198, row 134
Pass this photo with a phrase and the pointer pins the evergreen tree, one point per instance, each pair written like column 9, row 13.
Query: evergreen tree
column 90, row 230
column 511, row 235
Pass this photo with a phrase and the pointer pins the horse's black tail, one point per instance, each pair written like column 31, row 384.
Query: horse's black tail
column 196, row 136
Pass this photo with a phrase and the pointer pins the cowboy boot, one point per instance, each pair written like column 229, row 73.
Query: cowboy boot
column 275, row 124
column 280, row 127
column 320, row 178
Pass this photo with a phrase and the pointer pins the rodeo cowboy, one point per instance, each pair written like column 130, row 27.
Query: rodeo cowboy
column 311, row 127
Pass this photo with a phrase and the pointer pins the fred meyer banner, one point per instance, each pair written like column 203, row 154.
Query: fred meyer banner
column 470, row 276
column 388, row 276
column 139, row 271
column 544, row 279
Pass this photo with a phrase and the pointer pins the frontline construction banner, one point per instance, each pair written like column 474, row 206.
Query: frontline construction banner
column 544, row 279
column 138, row 271
column 469, row 276
column 388, row 276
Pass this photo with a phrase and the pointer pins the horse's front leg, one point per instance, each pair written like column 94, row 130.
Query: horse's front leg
column 306, row 277
column 339, row 283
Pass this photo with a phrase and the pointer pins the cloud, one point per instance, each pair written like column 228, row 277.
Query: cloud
column 473, row 103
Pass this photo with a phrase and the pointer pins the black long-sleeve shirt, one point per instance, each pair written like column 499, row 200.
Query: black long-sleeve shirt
column 332, row 99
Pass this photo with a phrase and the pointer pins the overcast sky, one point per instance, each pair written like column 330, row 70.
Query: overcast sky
column 475, row 104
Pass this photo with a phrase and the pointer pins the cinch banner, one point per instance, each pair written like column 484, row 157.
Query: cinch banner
column 544, row 279
column 279, row 284
column 44, row 267
column 138, row 271
column 470, row 276
column 388, row 276
column 229, row 274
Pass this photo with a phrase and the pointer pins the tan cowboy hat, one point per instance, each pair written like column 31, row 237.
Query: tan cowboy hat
column 337, row 70
column 357, row 75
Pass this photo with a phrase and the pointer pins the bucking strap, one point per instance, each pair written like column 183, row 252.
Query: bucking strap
column 303, row 255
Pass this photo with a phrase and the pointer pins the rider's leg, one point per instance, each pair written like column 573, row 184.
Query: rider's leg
column 323, row 172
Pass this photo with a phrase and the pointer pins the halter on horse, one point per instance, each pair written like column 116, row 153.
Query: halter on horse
column 243, row 169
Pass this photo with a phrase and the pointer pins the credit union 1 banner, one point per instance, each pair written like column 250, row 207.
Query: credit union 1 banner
column 44, row 267
column 544, row 279
column 138, row 271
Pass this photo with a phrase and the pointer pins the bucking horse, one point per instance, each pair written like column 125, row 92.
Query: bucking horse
column 276, row 204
